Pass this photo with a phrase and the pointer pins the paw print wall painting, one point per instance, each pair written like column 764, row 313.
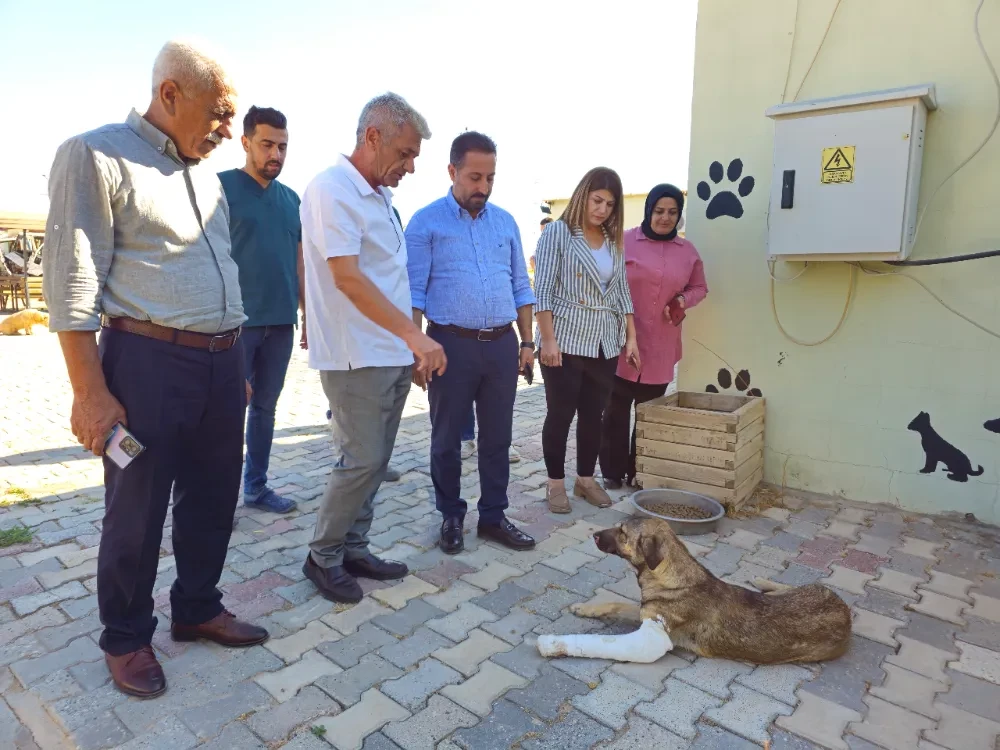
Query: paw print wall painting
column 721, row 198
column 726, row 381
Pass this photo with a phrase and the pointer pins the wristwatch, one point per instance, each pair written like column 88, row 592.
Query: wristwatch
column 528, row 345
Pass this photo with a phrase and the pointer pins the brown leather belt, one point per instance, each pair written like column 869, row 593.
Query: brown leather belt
column 218, row 342
column 480, row 334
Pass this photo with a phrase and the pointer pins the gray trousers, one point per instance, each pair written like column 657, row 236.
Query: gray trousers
column 366, row 406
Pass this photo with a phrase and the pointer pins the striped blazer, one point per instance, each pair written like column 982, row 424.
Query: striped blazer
column 586, row 319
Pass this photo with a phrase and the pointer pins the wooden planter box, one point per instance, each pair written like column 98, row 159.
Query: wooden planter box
column 709, row 443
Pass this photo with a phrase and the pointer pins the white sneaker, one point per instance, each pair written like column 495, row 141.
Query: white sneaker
column 514, row 455
column 468, row 449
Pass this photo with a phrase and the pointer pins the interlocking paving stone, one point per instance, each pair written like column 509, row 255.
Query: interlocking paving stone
column 348, row 650
column 976, row 661
column 166, row 734
column 642, row 733
column 942, row 607
column 481, row 691
column 932, row 631
column 397, row 596
column 612, row 700
column 492, row 575
column 897, row 583
column 845, row 680
column 514, row 626
column 29, row 671
column 347, row 730
column 572, row 731
column 547, row 693
column 423, row 730
column 849, row 580
column 348, row 686
column 293, row 646
column 779, row 682
column 523, row 660
column 875, row 545
column 25, row 605
column 875, row 627
column 274, row 724
column 551, row 603
column 842, row 529
column 959, row 730
column 985, row 607
column 459, row 623
column 650, row 675
column 417, row 647
column 412, row 689
column 884, row 603
column 208, row 719
column 910, row 691
column 949, row 585
column 921, row 658
column 454, row 596
column 713, row 676
column 236, row 735
column 919, row 548
column 470, row 653
column 678, row 707
column 503, row 599
column 349, row 620
column 819, row 720
column 283, row 684
column 890, row 726
column 541, row 577
column 912, row 565
column 585, row 670
column 714, row 738
column 972, row 695
column 501, row 729
column 724, row 559
column 748, row 713
column 406, row 620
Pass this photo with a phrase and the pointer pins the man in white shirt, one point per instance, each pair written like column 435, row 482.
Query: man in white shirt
column 362, row 337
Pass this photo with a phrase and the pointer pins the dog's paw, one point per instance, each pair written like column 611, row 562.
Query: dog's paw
column 579, row 609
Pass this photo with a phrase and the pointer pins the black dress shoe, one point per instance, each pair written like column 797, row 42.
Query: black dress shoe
column 452, row 536
column 612, row 484
column 335, row 583
column 506, row 534
column 376, row 569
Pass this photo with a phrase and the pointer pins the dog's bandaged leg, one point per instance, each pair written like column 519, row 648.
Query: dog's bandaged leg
column 645, row 645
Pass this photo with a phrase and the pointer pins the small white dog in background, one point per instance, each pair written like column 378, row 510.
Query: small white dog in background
column 23, row 321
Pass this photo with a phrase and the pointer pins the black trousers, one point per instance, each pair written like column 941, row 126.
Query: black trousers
column 617, row 452
column 187, row 407
column 483, row 373
column 580, row 387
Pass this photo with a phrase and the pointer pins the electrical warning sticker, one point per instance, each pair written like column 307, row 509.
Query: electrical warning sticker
column 838, row 165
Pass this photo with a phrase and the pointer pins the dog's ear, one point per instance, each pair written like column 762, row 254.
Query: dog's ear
column 651, row 553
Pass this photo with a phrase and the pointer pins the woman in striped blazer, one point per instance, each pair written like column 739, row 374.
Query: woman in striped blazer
column 584, row 314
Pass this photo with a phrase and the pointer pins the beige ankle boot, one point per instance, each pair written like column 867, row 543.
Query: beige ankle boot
column 557, row 499
column 592, row 492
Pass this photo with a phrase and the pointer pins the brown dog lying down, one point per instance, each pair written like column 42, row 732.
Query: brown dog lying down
column 714, row 618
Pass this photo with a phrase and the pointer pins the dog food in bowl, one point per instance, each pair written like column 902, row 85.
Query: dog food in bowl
column 676, row 510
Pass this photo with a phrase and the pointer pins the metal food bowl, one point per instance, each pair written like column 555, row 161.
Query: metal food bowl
column 680, row 497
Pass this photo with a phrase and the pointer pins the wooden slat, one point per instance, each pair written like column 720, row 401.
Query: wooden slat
column 746, row 489
column 20, row 222
column 687, row 436
column 748, row 467
column 703, row 420
column 688, row 454
column 748, row 451
column 712, row 401
column 654, row 482
column 748, row 433
column 687, row 472
column 751, row 411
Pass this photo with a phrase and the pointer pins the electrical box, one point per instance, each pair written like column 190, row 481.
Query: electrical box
column 847, row 174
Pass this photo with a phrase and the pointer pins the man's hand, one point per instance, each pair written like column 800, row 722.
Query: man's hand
column 429, row 355
column 527, row 359
column 303, row 339
column 249, row 392
column 93, row 417
column 418, row 378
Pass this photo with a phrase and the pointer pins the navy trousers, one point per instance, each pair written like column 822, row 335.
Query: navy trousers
column 187, row 407
column 483, row 373
column 267, row 350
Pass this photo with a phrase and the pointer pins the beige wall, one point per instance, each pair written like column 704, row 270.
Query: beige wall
column 634, row 205
column 837, row 414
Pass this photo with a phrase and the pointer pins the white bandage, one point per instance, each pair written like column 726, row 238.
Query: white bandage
column 645, row 645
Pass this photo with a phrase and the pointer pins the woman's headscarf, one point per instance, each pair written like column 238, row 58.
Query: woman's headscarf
column 662, row 191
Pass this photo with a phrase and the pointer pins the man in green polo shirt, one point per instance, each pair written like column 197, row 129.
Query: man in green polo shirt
column 267, row 247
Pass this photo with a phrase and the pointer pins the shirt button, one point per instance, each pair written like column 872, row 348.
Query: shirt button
column 578, row 274
column 581, row 301
column 159, row 148
column 56, row 226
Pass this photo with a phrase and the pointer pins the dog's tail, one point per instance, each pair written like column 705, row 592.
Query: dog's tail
column 976, row 473
column 770, row 587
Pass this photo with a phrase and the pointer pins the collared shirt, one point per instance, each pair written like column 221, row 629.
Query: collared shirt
column 463, row 271
column 343, row 215
column 266, row 231
column 135, row 230
column 657, row 272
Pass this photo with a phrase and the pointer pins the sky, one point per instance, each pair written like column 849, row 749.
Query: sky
column 561, row 86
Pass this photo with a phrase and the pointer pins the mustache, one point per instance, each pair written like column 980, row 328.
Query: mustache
column 484, row 196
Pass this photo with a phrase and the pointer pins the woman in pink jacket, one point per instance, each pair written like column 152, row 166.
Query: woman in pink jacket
column 665, row 277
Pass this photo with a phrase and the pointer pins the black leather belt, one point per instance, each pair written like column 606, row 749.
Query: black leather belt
column 479, row 334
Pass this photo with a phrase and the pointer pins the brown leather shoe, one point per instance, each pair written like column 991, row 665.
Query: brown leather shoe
column 558, row 502
column 592, row 492
column 137, row 673
column 224, row 629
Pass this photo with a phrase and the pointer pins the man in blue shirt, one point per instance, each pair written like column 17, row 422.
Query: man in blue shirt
column 468, row 276
column 267, row 246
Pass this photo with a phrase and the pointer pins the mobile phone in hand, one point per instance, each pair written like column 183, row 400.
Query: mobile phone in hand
column 677, row 313
column 122, row 447
column 528, row 372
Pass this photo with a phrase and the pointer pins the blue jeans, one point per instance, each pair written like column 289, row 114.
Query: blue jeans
column 469, row 430
column 267, row 350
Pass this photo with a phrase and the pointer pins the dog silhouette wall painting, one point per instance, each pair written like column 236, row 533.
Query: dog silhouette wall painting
column 940, row 451
column 993, row 425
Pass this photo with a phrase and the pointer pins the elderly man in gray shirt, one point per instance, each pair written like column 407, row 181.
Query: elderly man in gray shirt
column 137, row 247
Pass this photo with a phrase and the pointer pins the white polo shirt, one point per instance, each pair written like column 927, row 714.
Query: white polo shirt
column 343, row 215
